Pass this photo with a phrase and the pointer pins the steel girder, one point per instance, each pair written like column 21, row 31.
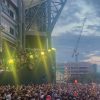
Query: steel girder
column 55, row 9
column 36, row 16
column 44, row 15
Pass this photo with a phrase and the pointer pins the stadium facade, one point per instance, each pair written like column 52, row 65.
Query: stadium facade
column 11, row 23
column 26, row 25
column 41, row 17
column 11, row 29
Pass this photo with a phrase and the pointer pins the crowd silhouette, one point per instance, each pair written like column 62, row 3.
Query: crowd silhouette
column 51, row 92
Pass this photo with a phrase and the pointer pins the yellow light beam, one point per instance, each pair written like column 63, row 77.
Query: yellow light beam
column 10, row 61
column 43, row 57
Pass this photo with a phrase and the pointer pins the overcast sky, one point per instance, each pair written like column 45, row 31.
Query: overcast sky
column 68, row 27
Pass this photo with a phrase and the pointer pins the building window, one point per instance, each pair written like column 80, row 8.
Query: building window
column 11, row 14
column 11, row 31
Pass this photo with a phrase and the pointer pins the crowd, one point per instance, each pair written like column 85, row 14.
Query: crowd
column 51, row 92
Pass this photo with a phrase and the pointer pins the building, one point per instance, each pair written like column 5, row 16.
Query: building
column 59, row 77
column 78, row 70
column 36, row 36
column 12, row 25
column 26, row 25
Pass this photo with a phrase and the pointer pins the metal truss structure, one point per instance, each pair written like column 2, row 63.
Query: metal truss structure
column 43, row 15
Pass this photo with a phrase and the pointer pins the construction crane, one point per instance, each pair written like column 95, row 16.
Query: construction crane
column 75, row 51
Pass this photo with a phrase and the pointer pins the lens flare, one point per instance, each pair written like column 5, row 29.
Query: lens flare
column 42, row 53
column 43, row 56
column 49, row 50
column 11, row 61
column 31, row 56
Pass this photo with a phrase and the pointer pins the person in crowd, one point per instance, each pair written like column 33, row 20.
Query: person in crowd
column 50, row 92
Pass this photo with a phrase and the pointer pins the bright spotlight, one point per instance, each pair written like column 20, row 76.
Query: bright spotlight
column 53, row 49
column 42, row 53
column 11, row 61
column 49, row 50
column 31, row 56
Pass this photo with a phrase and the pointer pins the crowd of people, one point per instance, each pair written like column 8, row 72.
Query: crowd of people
column 51, row 92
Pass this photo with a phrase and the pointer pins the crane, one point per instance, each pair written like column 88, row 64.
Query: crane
column 75, row 51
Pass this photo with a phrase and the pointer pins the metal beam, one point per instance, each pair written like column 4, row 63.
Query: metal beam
column 33, row 14
column 56, row 7
column 48, row 11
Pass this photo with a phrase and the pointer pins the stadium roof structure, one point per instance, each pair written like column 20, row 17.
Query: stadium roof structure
column 31, row 3
column 43, row 13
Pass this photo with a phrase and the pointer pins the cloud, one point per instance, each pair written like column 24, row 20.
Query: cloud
column 73, row 15
column 95, row 4
column 93, row 60
column 68, row 27
column 65, row 44
column 92, row 54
